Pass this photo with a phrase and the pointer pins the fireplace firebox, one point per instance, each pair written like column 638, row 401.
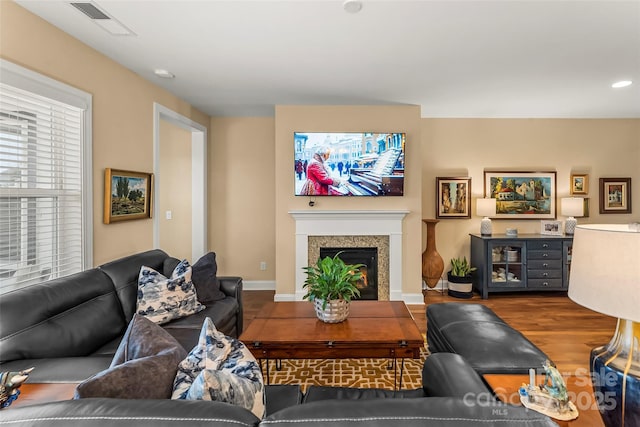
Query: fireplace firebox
column 368, row 285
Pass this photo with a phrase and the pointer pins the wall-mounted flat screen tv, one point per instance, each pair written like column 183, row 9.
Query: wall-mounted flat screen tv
column 349, row 163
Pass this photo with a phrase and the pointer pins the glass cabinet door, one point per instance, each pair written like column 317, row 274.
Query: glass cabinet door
column 507, row 264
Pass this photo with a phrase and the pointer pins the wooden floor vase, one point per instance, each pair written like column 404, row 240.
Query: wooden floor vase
column 432, row 262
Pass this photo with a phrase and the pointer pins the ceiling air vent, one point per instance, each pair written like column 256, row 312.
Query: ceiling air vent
column 102, row 18
column 90, row 10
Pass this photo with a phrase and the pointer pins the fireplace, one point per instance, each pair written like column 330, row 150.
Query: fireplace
column 340, row 229
column 368, row 285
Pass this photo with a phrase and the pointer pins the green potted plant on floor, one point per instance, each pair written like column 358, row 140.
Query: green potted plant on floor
column 330, row 285
column 460, row 278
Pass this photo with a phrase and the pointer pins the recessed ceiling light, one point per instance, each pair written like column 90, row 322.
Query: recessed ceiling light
column 163, row 73
column 352, row 6
column 621, row 83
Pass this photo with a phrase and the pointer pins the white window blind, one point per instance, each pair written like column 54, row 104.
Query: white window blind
column 43, row 209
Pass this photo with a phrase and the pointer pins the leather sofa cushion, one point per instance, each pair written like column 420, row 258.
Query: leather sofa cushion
column 429, row 411
column 128, row 412
column 280, row 396
column 60, row 369
column 124, row 274
column 317, row 393
column 66, row 317
column 187, row 329
column 486, row 341
column 449, row 375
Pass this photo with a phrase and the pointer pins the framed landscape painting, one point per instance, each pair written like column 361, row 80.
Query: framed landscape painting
column 454, row 197
column 615, row 195
column 127, row 195
column 522, row 195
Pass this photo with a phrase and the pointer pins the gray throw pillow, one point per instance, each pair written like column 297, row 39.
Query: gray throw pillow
column 144, row 366
column 203, row 276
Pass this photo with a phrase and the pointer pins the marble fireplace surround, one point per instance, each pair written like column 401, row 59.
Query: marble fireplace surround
column 357, row 229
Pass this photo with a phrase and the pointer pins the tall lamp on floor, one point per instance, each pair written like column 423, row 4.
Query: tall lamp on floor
column 605, row 277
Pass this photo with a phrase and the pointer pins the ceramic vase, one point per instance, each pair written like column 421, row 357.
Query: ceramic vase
column 432, row 262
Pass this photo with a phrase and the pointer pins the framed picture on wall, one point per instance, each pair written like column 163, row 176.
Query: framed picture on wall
column 522, row 195
column 127, row 195
column 579, row 183
column 453, row 197
column 615, row 195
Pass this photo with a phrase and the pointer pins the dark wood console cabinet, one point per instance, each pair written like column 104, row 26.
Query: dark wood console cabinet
column 528, row 262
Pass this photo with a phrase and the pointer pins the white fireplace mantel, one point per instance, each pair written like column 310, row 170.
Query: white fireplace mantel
column 350, row 223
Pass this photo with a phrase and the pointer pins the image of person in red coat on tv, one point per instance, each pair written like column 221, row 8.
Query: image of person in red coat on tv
column 318, row 174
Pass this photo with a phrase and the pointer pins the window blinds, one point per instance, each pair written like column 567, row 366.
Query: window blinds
column 41, row 194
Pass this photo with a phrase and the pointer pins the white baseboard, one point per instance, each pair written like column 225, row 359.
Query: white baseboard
column 440, row 286
column 259, row 285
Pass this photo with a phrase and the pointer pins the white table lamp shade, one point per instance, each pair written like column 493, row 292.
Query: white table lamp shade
column 605, row 269
column 572, row 206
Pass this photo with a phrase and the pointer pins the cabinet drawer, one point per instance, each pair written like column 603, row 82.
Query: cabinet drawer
column 545, row 283
column 544, row 274
column 545, row 264
column 544, row 254
column 544, row 244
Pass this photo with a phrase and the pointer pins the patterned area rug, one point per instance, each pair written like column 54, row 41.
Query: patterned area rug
column 362, row 373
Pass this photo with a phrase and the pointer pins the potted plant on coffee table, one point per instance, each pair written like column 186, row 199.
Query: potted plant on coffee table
column 460, row 279
column 330, row 285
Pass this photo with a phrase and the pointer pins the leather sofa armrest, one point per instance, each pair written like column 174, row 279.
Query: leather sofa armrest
column 232, row 286
column 450, row 375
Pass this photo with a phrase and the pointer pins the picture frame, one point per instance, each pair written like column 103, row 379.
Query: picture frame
column 551, row 228
column 453, row 197
column 615, row 195
column 579, row 184
column 127, row 195
column 585, row 208
column 522, row 195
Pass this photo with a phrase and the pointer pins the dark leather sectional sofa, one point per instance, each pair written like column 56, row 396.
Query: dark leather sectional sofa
column 69, row 329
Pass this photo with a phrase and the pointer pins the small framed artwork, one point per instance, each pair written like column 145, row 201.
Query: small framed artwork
column 615, row 195
column 579, row 183
column 553, row 228
column 127, row 195
column 522, row 195
column 453, row 197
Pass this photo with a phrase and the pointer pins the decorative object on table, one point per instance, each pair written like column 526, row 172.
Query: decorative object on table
column 511, row 232
column 605, row 276
column 522, row 195
column 486, row 208
column 615, row 195
column 453, row 197
column 460, row 279
column 571, row 207
column 127, row 195
column 579, row 183
column 331, row 284
column 551, row 228
column 549, row 398
column 432, row 262
column 10, row 383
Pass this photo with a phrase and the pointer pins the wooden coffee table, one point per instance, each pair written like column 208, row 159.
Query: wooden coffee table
column 374, row 329
column 579, row 389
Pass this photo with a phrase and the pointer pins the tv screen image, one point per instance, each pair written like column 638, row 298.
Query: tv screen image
column 349, row 163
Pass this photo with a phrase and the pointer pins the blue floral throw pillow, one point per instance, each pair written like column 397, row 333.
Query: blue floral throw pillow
column 223, row 369
column 162, row 299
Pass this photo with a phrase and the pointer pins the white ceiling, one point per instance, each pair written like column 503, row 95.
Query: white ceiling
column 453, row 58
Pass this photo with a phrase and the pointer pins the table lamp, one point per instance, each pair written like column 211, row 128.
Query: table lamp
column 571, row 207
column 605, row 277
column 486, row 208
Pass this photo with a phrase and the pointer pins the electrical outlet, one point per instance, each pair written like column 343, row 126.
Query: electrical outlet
column 263, row 265
column 168, row 214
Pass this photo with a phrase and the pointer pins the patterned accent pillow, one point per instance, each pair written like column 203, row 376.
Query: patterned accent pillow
column 162, row 299
column 221, row 368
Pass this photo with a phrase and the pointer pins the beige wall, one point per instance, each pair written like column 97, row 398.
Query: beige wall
column 175, row 191
column 468, row 147
column 242, row 188
column 347, row 119
column 122, row 113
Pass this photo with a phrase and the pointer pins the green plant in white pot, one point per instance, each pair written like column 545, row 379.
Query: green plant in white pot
column 330, row 285
column 460, row 278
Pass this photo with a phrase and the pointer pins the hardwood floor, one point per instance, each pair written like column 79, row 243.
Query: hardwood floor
column 565, row 331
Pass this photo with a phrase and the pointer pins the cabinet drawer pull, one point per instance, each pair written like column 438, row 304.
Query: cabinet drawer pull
column 545, row 264
column 545, row 245
column 545, row 283
column 545, row 274
column 545, row 255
